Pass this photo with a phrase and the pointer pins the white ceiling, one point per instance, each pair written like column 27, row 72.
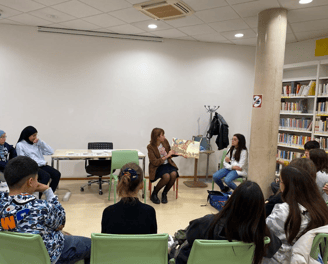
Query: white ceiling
column 213, row 20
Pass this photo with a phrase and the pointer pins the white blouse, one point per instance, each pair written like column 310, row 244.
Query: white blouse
column 242, row 163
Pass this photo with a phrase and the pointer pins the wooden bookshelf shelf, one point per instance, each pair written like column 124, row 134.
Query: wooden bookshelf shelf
column 299, row 97
column 290, row 146
column 321, row 134
column 300, row 114
column 299, row 79
column 295, row 130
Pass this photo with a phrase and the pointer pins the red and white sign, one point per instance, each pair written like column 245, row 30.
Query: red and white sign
column 257, row 101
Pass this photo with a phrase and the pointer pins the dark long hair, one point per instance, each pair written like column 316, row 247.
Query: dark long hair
column 301, row 188
column 155, row 133
column 241, row 146
column 305, row 164
column 244, row 218
column 319, row 157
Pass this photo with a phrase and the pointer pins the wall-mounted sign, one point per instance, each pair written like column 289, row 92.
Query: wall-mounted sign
column 257, row 101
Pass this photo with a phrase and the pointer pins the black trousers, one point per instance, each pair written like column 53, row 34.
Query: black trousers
column 46, row 173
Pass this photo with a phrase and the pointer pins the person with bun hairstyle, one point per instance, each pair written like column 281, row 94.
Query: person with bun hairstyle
column 303, row 210
column 161, row 165
column 235, row 165
column 30, row 145
column 129, row 215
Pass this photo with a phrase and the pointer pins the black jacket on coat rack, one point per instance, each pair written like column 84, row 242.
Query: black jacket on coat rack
column 219, row 127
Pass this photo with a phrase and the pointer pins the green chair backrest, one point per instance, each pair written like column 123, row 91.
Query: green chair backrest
column 22, row 248
column 129, row 249
column 122, row 157
column 320, row 241
column 224, row 153
column 222, row 252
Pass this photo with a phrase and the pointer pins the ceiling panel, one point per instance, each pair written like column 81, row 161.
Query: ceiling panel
column 250, row 9
column 198, row 30
column 251, row 21
column 8, row 12
column 311, row 34
column 10, row 22
column 217, row 14
column 126, row 29
column 76, row 9
column 50, row 2
column 52, row 15
column 27, row 19
column 104, row 20
column 228, row 25
column 233, row 2
column 308, row 14
column 292, row 4
column 198, row 5
column 129, row 15
column 170, row 33
column 310, row 25
column 143, row 25
column 107, row 5
column 186, row 21
column 212, row 38
column 187, row 38
column 248, row 33
column 79, row 24
column 21, row 5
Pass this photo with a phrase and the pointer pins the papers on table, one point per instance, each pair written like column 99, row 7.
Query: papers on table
column 101, row 150
column 86, row 154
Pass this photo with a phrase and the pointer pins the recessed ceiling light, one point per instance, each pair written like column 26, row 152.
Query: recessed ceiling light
column 239, row 35
column 152, row 26
column 303, row 2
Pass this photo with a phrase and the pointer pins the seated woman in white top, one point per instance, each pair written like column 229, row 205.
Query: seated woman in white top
column 319, row 158
column 30, row 146
column 303, row 210
column 235, row 165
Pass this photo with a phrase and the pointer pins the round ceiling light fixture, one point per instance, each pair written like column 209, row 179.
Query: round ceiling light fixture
column 303, row 2
column 152, row 26
column 239, row 35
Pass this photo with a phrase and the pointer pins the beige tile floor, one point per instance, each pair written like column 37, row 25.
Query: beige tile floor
column 84, row 209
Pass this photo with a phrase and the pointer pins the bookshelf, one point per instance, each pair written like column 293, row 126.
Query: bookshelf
column 304, row 110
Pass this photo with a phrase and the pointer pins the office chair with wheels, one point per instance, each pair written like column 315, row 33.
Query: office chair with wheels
column 101, row 167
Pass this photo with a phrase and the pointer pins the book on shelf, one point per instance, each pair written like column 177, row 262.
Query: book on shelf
column 316, row 126
column 323, row 89
column 309, row 128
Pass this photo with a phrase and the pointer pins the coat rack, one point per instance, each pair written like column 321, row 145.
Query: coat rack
column 196, row 183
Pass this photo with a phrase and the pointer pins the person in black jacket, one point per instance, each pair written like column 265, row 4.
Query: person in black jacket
column 129, row 215
column 7, row 152
column 242, row 218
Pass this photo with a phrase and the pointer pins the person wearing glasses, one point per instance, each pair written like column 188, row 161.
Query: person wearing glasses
column 7, row 152
column 31, row 146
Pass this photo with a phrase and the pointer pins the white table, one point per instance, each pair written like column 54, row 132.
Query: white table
column 87, row 154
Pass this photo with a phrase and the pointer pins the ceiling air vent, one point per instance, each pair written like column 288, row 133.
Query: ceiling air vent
column 164, row 9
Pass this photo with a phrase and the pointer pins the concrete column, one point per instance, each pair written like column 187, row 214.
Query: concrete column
column 270, row 53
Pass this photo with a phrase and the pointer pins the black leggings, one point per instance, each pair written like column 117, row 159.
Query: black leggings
column 46, row 173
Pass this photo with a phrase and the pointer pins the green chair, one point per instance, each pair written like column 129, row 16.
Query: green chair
column 320, row 245
column 240, row 179
column 119, row 159
column 21, row 248
column 222, row 252
column 129, row 249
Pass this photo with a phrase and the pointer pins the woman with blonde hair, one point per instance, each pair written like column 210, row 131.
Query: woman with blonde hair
column 129, row 215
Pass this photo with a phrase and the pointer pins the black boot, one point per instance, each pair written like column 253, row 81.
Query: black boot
column 154, row 197
column 164, row 197
column 225, row 189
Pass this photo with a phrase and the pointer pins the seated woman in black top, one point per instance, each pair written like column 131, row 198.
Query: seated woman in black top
column 242, row 218
column 129, row 215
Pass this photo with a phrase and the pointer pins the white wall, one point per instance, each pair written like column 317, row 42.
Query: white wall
column 77, row 89
column 301, row 52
